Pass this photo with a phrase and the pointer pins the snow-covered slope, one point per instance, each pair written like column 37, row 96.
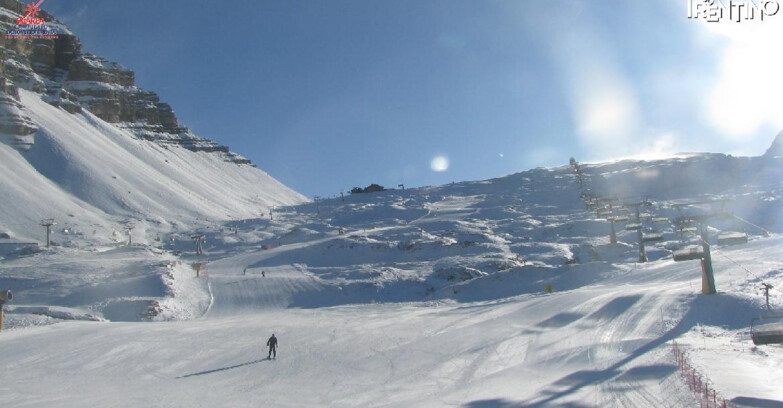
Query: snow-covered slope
column 82, row 144
column 496, row 293
column 423, row 297
column 91, row 175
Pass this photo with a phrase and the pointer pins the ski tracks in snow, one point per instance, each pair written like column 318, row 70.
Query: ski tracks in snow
column 247, row 293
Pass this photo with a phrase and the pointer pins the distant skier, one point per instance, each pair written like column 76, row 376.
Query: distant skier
column 272, row 343
column 263, row 274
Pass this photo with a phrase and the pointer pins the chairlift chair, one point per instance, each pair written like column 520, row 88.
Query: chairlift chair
column 732, row 238
column 652, row 237
column 660, row 221
column 689, row 230
column 621, row 218
column 690, row 253
column 767, row 329
column 633, row 227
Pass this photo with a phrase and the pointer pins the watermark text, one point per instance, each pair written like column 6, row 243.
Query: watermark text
column 30, row 26
column 737, row 11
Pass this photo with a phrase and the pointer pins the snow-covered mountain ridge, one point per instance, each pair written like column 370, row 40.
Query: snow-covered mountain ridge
column 81, row 144
column 73, row 80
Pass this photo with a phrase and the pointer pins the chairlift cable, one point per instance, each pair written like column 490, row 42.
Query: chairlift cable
column 750, row 223
column 740, row 265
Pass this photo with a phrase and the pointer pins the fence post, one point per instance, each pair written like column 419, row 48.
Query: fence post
column 707, row 393
column 5, row 296
column 693, row 378
column 698, row 384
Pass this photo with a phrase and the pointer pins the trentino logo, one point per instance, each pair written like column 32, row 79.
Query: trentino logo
column 714, row 11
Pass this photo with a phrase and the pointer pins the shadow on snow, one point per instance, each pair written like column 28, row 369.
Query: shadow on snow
column 706, row 310
column 217, row 370
column 756, row 402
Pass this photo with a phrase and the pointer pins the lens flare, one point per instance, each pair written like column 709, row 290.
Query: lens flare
column 439, row 164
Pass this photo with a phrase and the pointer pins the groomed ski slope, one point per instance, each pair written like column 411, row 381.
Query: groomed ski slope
column 432, row 298
column 599, row 345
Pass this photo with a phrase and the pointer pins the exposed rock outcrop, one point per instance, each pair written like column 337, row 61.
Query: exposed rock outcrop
column 16, row 128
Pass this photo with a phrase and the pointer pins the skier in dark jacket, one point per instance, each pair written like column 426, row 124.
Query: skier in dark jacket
column 272, row 343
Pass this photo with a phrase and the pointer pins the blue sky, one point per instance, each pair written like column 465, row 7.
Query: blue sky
column 326, row 95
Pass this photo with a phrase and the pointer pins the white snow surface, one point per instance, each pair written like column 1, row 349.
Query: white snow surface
column 430, row 297
column 91, row 177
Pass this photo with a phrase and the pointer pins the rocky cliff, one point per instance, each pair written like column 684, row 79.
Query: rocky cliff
column 67, row 77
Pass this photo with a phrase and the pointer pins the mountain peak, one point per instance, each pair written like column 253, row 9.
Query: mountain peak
column 75, row 130
column 66, row 77
column 776, row 149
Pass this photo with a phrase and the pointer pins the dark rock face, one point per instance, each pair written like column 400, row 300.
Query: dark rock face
column 73, row 80
column 91, row 68
column 12, row 120
column 16, row 128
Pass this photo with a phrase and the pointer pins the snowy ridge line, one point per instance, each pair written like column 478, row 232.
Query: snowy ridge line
column 698, row 383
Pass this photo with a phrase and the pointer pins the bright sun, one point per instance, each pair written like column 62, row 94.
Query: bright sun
column 439, row 163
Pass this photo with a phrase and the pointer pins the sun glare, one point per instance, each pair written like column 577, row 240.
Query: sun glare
column 439, row 164
column 749, row 90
